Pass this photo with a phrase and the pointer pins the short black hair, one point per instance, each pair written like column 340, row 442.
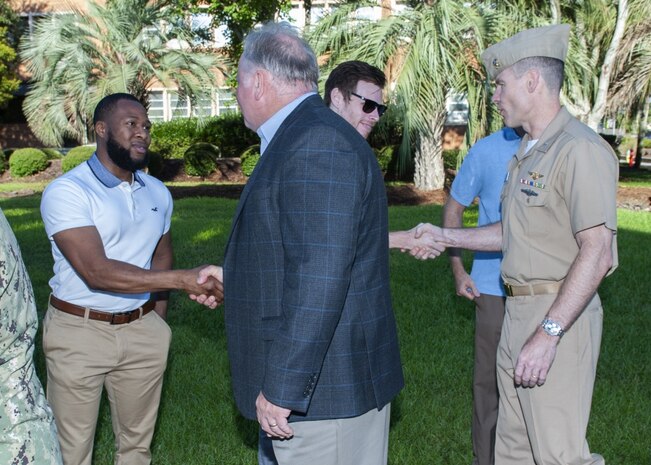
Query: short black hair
column 346, row 76
column 107, row 104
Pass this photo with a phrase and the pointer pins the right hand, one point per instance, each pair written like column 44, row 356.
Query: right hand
column 207, row 277
column 430, row 240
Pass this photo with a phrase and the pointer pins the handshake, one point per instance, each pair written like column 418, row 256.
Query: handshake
column 206, row 285
column 422, row 242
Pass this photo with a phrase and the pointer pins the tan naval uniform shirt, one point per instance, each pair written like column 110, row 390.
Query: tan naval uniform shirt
column 564, row 184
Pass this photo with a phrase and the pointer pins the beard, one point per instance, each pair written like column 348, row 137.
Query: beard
column 122, row 156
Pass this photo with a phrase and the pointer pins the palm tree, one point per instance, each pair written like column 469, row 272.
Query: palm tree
column 427, row 50
column 74, row 60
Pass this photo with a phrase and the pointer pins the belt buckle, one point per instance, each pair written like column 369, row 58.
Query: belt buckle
column 126, row 314
column 509, row 289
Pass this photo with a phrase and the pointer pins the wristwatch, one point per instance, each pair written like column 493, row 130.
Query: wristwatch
column 551, row 327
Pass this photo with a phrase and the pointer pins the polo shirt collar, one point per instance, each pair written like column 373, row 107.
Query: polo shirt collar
column 106, row 177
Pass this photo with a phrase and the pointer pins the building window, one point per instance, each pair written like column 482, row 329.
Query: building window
column 156, row 109
column 165, row 105
column 226, row 101
column 180, row 105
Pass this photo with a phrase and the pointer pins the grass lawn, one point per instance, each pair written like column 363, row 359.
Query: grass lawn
column 198, row 423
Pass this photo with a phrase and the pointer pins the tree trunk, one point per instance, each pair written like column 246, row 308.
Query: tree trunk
column 599, row 107
column 429, row 173
column 307, row 8
column 555, row 7
column 642, row 114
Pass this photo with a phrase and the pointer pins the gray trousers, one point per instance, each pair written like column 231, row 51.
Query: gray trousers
column 361, row 440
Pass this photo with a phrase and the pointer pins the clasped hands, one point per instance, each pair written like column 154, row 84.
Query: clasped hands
column 425, row 241
column 209, row 287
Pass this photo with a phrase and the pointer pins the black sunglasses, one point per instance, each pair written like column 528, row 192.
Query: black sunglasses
column 370, row 105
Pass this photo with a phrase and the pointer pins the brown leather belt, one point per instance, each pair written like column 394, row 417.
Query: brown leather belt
column 113, row 318
column 532, row 289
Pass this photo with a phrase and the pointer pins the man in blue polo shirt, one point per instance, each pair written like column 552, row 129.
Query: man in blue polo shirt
column 109, row 227
column 482, row 175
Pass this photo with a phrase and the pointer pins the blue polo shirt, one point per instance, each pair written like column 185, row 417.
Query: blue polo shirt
column 482, row 174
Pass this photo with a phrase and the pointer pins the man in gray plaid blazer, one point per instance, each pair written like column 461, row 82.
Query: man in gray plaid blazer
column 312, row 338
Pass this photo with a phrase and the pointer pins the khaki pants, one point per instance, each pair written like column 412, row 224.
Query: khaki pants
column 84, row 355
column 489, row 317
column 362, row 440
column 546, row 425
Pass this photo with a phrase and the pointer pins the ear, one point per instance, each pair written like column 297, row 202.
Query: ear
column 533, row 80
column 259, row 82
column 101, row 129
column 336, row 98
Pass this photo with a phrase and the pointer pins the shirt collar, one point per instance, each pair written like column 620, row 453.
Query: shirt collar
column 106, row 177
column 269, row 128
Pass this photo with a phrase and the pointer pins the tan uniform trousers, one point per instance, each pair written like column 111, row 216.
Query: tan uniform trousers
column 546, row 425
column 361, row 440
column 84, row 355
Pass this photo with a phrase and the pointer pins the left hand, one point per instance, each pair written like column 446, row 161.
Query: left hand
column 535, row 359
column 273, row 419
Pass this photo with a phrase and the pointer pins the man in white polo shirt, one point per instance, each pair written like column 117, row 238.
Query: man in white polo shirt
column 109, row 226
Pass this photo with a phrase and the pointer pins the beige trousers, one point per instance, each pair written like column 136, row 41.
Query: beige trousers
column 82, row 357
column 362, row 440
column 546, row 425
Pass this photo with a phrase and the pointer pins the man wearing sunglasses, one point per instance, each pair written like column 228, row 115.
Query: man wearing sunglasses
column 353, row 90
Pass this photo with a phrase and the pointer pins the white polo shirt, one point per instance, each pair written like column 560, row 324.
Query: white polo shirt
column 130, row 218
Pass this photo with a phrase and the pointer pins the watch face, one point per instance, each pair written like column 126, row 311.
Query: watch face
column 552, row 328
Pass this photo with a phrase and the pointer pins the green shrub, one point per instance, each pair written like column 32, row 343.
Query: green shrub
column 646, row 143
column 24, row 162
column 200, row 159
column 384, row 156
column 155, row 165
column 76, row 156
column 172, row 138
column 3, row 162
column 249, row 159
column 451, row 159
column 52, row 154
column 229, row 133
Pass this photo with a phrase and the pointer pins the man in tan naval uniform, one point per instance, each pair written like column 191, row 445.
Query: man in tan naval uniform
column 558, row 237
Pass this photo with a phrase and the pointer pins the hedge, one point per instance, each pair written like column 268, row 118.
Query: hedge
column 25, row 162
column 76, row 156
column 172, row 138
column 227, row 132
column 249, row 159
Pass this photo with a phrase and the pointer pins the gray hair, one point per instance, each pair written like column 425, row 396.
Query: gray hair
column 279, row 49
column 551, row 69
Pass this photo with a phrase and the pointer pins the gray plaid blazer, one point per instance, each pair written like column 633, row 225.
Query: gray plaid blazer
column 306, row 274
